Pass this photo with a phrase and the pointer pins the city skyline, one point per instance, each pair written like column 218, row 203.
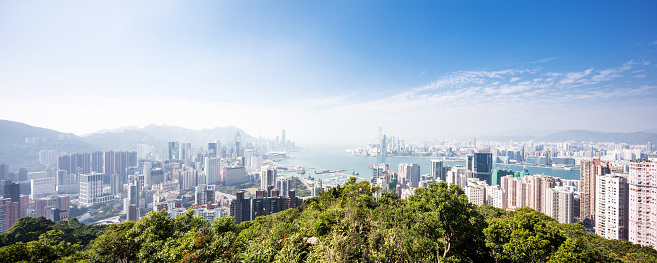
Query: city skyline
column 329, row 72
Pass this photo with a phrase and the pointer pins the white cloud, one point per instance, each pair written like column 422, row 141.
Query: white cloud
column 575, row 76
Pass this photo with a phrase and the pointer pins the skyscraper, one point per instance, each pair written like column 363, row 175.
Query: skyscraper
column 238, row 147
column 642, row 222
column 212, row 170
column 174, row 150
column 437, row 170
column 91, row 187
column 4, row 171
column 611, row 206
column 97, row 161
column 480, row 165
column 589, row 171
column 268, row 176
column 283, row 141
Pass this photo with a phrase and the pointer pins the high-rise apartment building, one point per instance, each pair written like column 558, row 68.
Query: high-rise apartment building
column 611, row 202
column 268, row 176
column 475, row 190
column 97, row 161
column 642, row 222
column 589, row 171
column 560, row 204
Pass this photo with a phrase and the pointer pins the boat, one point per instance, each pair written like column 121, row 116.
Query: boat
column 354, row 172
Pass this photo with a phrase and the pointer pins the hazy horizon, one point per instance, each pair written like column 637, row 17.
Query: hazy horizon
column 330, row 72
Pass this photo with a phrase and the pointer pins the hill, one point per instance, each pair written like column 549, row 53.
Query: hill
column 343, row 224
column 582, row 136
column 20, row 144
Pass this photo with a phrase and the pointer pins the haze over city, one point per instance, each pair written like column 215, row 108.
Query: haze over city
column 330, row 71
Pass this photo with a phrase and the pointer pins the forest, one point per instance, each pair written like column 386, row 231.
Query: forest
column 343, row 224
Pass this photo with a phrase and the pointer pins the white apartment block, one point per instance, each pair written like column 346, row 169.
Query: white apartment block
column 560, row 204
column 642, row 223
column 496, row 196
column 476, row 191
column 611, row 206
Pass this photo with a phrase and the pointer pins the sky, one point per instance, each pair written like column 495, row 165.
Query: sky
column 331, row 71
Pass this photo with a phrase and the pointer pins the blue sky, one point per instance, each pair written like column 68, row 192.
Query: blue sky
column 331, row 70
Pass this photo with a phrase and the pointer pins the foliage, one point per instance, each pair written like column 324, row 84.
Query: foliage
column 28, row 229
column 344, row 224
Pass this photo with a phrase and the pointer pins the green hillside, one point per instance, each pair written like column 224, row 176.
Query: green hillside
column 344, row 224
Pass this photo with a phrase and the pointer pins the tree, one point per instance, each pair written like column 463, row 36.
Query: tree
column 529, row 236
column 443, row 213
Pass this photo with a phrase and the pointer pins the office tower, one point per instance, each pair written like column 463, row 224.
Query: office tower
column 174, row 150
column 560, row 204
column 64, row 163
column 44, row 186
column 22, row 175
column 384, row 146
column 231, row 175
column 238, row 147
column 185, row 153
column 643, row 203
column 248, row 155
column 212, row 170
column 437, row 170
column 589, row 170
column 212, row 149
column 649, row 147
column 283, row 141
column 612, row 202
column 268, row 176
column 97, row 162
column 91, row 187
column 283, row 185
column 480, row 166
column 4, row 171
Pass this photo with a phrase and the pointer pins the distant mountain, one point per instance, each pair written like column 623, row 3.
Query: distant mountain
column 156, row 135
column 20, row 144
column 583, row 136
column 651, row 131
